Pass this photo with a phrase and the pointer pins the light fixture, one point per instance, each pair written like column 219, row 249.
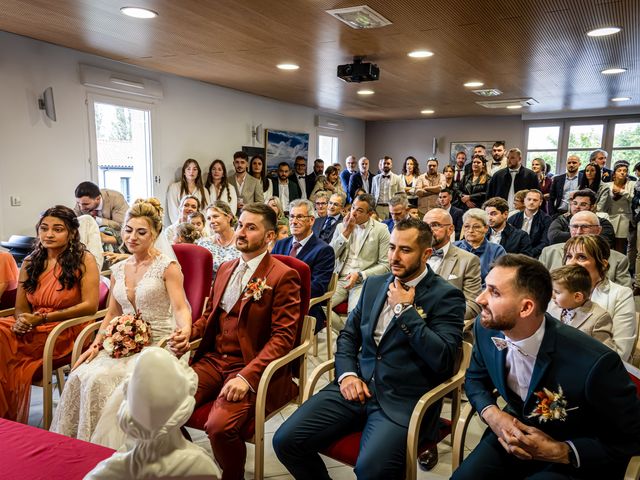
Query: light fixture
column 427, row 112
column 473, row 84
column 359, row 17
column 612, row 71
column 620, row 99
column 514, row 107
column 366, row 91
column 288, row 66
column 420, row 54
column 603, row 32
column 137, row 12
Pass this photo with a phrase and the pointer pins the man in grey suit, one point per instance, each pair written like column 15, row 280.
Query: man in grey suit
column 249, row 188
column 360, row 244
column 584, row 223
column 106, row 206
column 459, row 267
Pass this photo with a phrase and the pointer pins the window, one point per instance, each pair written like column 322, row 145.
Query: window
column 328, row 149
column 583, row 139
column 626, row 143
column 543, row 143
column 121, row 146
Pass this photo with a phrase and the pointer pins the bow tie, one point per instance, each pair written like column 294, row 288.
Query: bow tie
column 514, row 170
column 300, row 176
column 502, row 343
column 567, row 315
column 438, row 253
column 386, row 176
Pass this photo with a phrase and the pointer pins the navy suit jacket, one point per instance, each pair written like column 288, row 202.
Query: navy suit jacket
column 500, row 182
column 319, row 222
column 416, row 352
column 294, row 191
column 538, row 231
column 555, row 194
column 604, row 424
column 389, row 223
column 456, row 214
column 514, row 240
column 321, row 260
column 345, row 176
column 357, row 182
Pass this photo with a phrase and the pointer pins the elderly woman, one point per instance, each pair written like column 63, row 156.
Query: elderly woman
column 474, row 228
column 221, row 222
column 617, row 203
column 592, row 252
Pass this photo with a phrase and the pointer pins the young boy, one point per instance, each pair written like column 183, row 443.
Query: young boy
column 571, row 305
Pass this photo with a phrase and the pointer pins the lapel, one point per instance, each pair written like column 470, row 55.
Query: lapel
column 376, row 310
column 311, row 243
column 364, row 236
column 286, row 245
column 499, row 358
column 583, row 313
column 448, row 263
column 222, row 278
column 543, row 360
column 263, row 270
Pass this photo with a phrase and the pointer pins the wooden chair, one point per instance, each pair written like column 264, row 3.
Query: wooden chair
column 346, row 449
column 331, row 289
column 635, row 355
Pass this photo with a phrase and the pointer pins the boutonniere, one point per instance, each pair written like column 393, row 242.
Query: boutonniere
column 550, row 406
column 421, row 312
column 254, row 289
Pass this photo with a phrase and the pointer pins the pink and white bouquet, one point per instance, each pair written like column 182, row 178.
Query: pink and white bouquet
column 126, row 335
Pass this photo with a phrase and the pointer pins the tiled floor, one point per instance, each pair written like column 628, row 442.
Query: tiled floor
column 274, row 470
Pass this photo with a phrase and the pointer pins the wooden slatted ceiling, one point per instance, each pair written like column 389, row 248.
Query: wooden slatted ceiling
column 526, row 48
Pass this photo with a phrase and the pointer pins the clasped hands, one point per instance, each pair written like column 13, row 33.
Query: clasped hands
column 25, row 322
column 179, row 341
column 523, row 441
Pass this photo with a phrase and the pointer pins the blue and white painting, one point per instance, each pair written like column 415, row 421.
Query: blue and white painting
column 285, row 147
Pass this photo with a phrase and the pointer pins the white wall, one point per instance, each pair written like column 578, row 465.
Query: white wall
column 402, row 138
column 42, row 161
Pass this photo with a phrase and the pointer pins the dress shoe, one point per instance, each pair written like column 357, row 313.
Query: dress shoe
column 428, row 459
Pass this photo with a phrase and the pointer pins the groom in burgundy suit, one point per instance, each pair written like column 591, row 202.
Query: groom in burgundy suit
column 242, row 334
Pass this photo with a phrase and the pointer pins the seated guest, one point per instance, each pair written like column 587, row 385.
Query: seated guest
column 190, row 183
column 320, row 203
column 305, row 246
column 398, row 209
column 360, row 245
column 188, row 205
column 197, row 220
column 106, row 206
column 258, row 170
column 414, row 212
column 473, row 190
column 240, row 338
column 58, row 281
column 518, row 202
column 218, row 186
column 501, row 232
column 186, row 233
column 324, row 227
column 475, row 230
column 460, row 268
column 284, row 188
column 585, row 223
column 533, row 221
column 589, row 431
column 581, row 200
column 445, row 199
column 283, row 229
column 329, row 182
column 8, row 273
column 221, row 222
column 592, row 252
column 571, row 304
column 276, row 206
column 387, row 357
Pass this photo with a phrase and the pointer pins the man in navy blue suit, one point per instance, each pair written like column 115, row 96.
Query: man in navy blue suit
column 503, row 233
column 533, row 221
column 591, row 426
column 400, row 340
column 362, row 179
column 350, row 167
column 305, row 246
column 562, row 186
column 398, row 210
column 323, row 227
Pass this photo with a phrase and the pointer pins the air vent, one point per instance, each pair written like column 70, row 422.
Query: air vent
column 488, row 92
column 359, row 17
column 522, row 102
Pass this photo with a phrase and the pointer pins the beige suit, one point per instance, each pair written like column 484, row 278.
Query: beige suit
column 114, row 206
column 462, row 270
column 591, row 319
column 251, row 189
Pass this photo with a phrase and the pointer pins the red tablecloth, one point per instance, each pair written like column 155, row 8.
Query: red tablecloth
column 31, row 453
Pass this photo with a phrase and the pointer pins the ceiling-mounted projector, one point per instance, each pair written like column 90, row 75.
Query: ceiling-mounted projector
column 358, row 71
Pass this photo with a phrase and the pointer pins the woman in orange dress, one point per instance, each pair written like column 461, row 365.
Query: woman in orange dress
column 8, row 273
column 59, row 280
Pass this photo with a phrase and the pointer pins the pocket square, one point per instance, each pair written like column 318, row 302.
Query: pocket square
column 453, row 276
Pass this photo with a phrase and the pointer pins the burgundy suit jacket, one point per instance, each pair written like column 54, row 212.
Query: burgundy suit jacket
column 267, row 328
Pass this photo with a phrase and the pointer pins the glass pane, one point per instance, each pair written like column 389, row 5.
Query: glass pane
column 541, row 138
column 550, row 158
column 626, row 135
column 328, row 149
column 124, row 153
column 585, row 136
column 582, row 154
column 631, row 156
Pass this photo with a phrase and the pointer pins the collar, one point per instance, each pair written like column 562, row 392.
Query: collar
column 531, row 345
column 244, row 177
column 493, row 231
column 286, row 182
column 524, row 213
column 304, row 241
column 414, row 283
column 445, row 249
column 572, row 178
column 516, row 170
column 365, row 225
column 254, row 262
column 101, row 204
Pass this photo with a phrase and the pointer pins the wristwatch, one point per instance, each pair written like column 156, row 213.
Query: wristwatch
column 360, row 277
column 400, row 307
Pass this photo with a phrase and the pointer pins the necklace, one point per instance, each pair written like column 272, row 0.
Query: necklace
column 221, row 243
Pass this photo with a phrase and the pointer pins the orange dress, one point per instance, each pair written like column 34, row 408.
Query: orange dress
column 8, row 270
column 21, row 356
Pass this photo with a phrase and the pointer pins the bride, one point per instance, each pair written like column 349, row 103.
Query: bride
column 149, row 283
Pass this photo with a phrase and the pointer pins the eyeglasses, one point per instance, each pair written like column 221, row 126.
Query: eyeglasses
column 298, row 218
column 321, row 203
column 472, row 228
column 436, row 226
column 582, row 226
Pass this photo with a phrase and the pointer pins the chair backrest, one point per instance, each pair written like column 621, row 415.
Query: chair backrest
column 8, row 299
column 197, row 267
column 103, row 296
column 305, row 280
column 634, row 375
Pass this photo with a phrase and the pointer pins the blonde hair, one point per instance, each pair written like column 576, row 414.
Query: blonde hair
column 223, row 207
column 149, row 208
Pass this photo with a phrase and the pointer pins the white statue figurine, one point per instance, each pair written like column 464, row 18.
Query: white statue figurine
column 158, row 401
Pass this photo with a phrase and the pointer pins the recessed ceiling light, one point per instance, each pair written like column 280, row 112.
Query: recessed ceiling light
column 137, row 12
column 473, row 84
column 612, row 71
column 602, row 32
column 420, row 54
column 288, row 66
column 365, row 91
column 514, row 107
column 427, row 112
column 620, row 99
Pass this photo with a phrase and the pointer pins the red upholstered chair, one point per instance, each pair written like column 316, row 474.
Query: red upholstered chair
column 347, row 448
column 197, row 267
column 254, row 431
column 8, row 300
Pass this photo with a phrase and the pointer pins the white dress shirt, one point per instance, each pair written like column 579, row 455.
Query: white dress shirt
column 521, row 360
column 527, row 221
column 302, row 185
column 352, row 264
column 436, row 262
column 283, row 188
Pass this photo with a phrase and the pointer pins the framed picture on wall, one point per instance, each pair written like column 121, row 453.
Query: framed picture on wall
column 467, row 147
column 282, row 146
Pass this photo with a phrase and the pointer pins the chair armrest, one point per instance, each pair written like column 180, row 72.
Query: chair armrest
column 459, row 436
column 193, row 345
column 81, row 339
column 106, row 273
column 320, row 370
column 316, row 300
column 163, row 341
column 633, row 469
column 7, row 312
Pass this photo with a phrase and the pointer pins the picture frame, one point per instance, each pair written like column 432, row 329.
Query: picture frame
column 284, row 146
column 467, row 147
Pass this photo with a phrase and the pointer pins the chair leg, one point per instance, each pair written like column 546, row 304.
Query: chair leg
column 315, row 345
column 47, row 402
column 330, row 349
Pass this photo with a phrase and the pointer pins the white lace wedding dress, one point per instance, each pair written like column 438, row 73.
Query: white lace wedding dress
column 91, row 385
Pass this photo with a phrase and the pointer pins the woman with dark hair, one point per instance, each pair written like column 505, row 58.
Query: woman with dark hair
column 448, row 171
column 218, row 185
column 410, row 172
column 190, row 184
column 539, row 167
column 329, row 183
column 592, row 179
column 258, row 169
column 473, row 191
column 59, row 280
